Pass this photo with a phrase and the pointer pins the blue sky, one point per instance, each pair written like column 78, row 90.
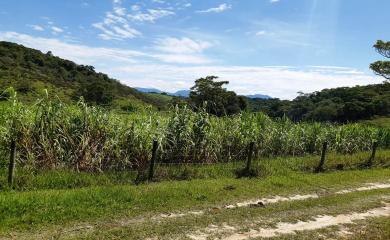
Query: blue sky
column 274, row 47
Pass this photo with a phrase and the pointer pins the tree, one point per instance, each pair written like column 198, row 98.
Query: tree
column 382, row 68
column 215, row 98
column 96, row 92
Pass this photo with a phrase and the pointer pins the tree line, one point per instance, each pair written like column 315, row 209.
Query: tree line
column 337, row 105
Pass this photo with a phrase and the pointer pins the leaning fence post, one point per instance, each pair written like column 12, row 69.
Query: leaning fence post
column 320, row 166
column 249, row 159
column 372, row 157
column 153, row 160
column 11, row 163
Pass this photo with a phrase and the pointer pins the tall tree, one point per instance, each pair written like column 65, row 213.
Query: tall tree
column 382, row 68
column 215, row 98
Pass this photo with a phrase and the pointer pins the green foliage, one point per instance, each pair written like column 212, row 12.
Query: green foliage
column 52, row 135
column 381, row 122
column 335, row 105
column 382, row 68
column 217, row 100
column 29, row 72
column 71, row 209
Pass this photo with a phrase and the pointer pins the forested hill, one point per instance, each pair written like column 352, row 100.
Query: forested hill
column 30, row 71
column 338, row 104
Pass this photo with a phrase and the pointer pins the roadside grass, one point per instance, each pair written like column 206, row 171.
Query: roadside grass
column 27, row 179
column 371, row 228
column 378, row 229
column 35, row 210
column 244, row 219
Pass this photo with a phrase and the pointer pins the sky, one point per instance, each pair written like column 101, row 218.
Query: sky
column 273, row 47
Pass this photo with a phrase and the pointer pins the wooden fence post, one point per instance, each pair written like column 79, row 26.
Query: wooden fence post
column 153, row 160
column 11, row 166
column 320, row 166
column 249, row 159
column 372, row 157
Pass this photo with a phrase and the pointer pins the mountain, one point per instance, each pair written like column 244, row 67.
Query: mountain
column 258, row 96
column 148, row 90
column 30, row 71
column 181, row 93
column 186, row 93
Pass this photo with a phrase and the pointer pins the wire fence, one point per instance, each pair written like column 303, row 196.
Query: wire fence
column 245, row 163
column 248, row 166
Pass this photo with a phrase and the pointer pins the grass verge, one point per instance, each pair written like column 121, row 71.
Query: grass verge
column 27, row 180
column 37, row 209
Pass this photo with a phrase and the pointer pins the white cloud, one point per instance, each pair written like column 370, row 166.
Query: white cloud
column 76, row 52
column 221, row 8
column 274, row 1
column 181, row 46
column 116, row 27
column 285, row 34
column 181, row 50
column 281, row 82
column 116, row 23
column 261, row 33
column 56, row 29
column 82, row 54
column 135, row 7
column 37, row 27
column 182, row 58
column 120, row 11
column 148, row 70
column 151, row 15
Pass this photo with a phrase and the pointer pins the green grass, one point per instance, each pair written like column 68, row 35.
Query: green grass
column 36, row 209
column 383, row 122
column 28, row 179
column 378, row 229
column 244, row 219
column 160, row 98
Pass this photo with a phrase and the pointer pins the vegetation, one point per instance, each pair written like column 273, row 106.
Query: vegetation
column 211, row 95
column 30, row 71
column 78, row 158
column 383, row 122
column 52, row 134
column 110, row 207
column 336, row 105
column 339, row 104
column 28, row 179
column 382, row 68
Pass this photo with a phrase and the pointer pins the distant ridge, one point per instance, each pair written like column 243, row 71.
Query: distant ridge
column 148, row 90
column 186, row 93
column 258, row 96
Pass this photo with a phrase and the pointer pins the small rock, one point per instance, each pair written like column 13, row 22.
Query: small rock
column 257, row 205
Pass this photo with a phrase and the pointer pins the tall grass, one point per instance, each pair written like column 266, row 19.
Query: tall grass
column 54, row 135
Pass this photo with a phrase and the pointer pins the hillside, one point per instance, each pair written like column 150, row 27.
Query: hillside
column 338, row 104
column 30, row 71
